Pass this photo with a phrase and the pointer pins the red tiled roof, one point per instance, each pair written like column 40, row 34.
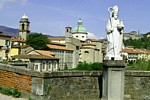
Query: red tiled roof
column 58, row 38
column 136, row 51
column 5, row 35
column 88, row 44
column 21, row 46
column 94, row 40
column 17, row 40
column 131, row 51
column 46, row 53
column 58, row 47
column 33, row 57
column 57, row 43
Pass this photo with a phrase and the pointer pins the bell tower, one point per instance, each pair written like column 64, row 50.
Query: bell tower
column 24, row 27
column 68, row 34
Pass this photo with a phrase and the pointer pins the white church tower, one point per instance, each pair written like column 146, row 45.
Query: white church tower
column 24, row 27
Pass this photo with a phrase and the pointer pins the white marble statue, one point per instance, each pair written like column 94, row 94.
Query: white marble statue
column 114, row 29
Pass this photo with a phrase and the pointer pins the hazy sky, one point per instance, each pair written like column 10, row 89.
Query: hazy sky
column 52, row 16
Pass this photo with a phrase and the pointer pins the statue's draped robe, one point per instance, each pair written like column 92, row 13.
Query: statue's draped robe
column 114, row 38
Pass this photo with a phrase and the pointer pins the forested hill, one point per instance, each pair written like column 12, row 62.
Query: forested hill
column 10, row 31
column 14, row 32
column 140, row 43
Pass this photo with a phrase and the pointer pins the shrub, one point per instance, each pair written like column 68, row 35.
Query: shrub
column 16, row 93
column 90, row 66
column 140, row 64
column 30, row 98
column 10, row 91
column 7, row 91
column 96, row 66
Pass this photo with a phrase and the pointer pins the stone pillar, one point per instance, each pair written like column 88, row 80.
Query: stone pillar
column 113, row 80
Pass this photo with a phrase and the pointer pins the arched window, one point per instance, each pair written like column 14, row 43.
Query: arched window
column 49, row 65
column 67, row 30
column 36, row 67
column 43, row 65
column 23, row 27
column 55, row 65
column 86, row 51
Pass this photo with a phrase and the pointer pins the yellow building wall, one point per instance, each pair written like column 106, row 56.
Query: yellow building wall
column 2, row 41
column 2, row 53
column 14, row 51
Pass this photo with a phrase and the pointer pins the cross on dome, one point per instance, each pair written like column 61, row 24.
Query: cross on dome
column 25, row 16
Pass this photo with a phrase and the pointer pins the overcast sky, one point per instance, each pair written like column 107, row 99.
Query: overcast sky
column 52, row 16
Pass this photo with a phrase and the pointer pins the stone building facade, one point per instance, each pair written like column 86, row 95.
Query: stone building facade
column 64, row 53
column 133, row 35
column 88, row 50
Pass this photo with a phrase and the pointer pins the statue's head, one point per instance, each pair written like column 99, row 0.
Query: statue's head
column 115, row 11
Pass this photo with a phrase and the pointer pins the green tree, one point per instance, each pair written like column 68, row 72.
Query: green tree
column 144, row 42
column 38, row 41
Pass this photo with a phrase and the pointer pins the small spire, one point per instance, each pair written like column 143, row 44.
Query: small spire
column 80, row 22
column 25, row 16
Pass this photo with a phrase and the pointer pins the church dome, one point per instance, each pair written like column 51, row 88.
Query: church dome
column 79, row 28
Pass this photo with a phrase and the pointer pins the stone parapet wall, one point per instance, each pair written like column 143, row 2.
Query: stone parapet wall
column 137, row 85
column 71, row 85
column 62, row 85
column 73, row 88
column 68, row 85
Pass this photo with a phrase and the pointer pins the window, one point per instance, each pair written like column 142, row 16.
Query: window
column 77, row 36
column 36, row 67
column 1, row 47
column 49, row 64
column 67, row 30
column 54, row 65
column 82, row 36
column 43, row 65
column 7, row 42
column 77, row 47
column 86, row 52
column 23, row 27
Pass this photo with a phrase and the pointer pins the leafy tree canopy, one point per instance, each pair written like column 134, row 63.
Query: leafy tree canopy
column 38, row 41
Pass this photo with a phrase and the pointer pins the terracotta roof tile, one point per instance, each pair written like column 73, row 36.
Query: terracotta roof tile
column 94, row 40
column 46, row 53
column 33, row 57
column 17, row 40
column 58, row 47
column 139, row 51
column 21, row 46
column 5, row 35
column 57, row 38
column 133, row 51
column 88, row 44
column 57, row 43
column 87, row 48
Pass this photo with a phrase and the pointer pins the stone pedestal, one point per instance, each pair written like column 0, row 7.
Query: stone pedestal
column 113, row 80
